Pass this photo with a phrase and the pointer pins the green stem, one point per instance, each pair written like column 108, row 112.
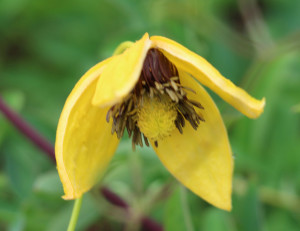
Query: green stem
column 75, row 214
column 186, row 211
column 122, row 47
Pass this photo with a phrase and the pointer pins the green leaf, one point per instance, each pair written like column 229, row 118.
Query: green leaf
column 49, row 184
column 19, row 168
column 19, row 223
column 216, row 220
column 248, row 210
column 89, row 213
column 174, row 215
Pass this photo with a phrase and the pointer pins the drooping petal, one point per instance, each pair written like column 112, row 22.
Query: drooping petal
column 209, row 76
column 84, row 144
column 201, row 160
column 121, row 75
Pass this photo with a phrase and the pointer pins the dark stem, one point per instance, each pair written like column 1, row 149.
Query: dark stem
column 38, row 140
column 113, row 198
column 148, row 225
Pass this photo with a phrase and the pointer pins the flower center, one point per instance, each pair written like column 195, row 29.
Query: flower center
column 156, row 106
column 156, row 117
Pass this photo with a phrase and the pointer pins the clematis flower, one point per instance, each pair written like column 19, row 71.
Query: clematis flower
column 154, row 91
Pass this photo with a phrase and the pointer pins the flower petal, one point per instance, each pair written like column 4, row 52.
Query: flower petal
column 209, row 76
column 120, row 75
column 84, row 144
column 202, row 159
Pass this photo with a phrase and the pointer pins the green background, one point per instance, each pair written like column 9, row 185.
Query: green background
column 45, row 46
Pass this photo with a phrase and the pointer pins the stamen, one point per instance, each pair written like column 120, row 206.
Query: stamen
column 173, row 84
column 156, row 105
column 172, row 95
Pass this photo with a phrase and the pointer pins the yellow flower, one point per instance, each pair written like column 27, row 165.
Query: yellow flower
column 151, row 89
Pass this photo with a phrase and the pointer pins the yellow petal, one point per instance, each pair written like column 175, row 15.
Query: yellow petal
column 209, row 76
column 201, row 160
column 121, row 74
column 84, row 144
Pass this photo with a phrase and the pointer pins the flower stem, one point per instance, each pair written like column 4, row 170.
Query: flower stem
column 122, row 47
column 37, row 139
column 75, row 214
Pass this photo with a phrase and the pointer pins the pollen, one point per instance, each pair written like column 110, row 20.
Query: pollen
column 156, row 117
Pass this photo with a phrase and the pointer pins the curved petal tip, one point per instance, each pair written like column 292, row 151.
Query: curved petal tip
column 209, row 76
column 259, row 109
column 121, row 74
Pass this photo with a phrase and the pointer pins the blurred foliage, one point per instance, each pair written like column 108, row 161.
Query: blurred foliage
column 45, row 46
